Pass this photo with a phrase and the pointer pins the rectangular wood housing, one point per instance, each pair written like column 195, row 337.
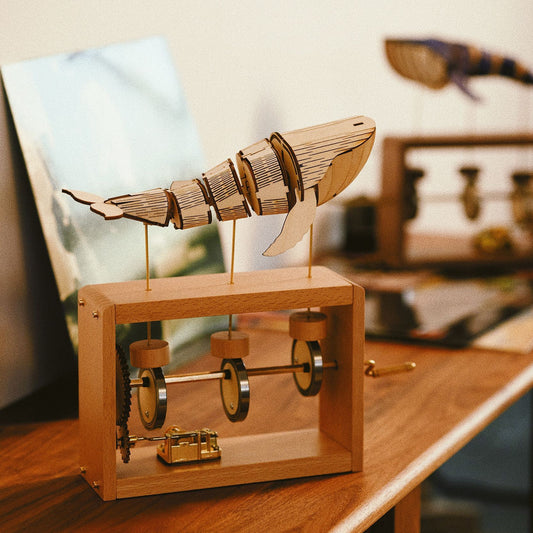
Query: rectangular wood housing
column 335, row 446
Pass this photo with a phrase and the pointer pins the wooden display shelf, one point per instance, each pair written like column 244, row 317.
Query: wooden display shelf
column 414, row 422
column 336, row 446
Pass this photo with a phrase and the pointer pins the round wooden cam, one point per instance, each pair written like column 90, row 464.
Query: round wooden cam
column 230, row 344
column 308, row 325
column 149, row 353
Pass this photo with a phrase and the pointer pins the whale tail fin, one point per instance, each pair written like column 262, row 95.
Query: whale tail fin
column 96, row 203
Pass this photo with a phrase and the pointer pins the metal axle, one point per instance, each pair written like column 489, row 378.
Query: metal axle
column 220, row 374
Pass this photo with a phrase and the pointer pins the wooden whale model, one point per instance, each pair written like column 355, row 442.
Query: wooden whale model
column 289, row 173
column 435, row 63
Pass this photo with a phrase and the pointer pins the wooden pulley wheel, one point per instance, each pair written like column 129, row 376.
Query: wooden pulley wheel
column 308, row 326
column 235, row 389
column 309, row 354
column 152, row 397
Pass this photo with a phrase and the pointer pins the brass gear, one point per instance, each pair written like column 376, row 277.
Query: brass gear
column 122, row 388
column 123, row 442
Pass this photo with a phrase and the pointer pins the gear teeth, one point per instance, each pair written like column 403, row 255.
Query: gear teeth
column 125, row 389
column 123, row 442
column 123, row 395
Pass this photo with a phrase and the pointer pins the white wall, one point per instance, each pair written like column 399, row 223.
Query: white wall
column 249, row 68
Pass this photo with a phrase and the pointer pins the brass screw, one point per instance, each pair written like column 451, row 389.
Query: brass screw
column 81, row 302
column 83, row 469
column 96, row 484
column 95, row 314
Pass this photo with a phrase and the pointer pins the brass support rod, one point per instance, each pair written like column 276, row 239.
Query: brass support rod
column 310, row 251
column 233, row 251
column 232, row 271
column 147, row 259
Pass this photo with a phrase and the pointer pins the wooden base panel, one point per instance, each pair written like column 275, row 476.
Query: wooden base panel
column 249, row 459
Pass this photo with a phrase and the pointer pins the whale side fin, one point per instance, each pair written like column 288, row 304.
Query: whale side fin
column 296, row 224
column 461, row 80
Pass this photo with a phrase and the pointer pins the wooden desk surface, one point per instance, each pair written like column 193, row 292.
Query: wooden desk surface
column 413, row 423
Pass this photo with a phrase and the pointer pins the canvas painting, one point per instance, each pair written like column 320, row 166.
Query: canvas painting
column 112, row 121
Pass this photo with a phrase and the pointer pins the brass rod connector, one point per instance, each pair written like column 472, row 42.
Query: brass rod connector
column 374, row 372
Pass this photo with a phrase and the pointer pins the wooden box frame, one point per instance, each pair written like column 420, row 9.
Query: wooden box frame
column 391, row 215
column 335, row 446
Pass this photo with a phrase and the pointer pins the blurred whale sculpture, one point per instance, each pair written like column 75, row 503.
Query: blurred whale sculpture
column 435, row 63
column 289, row 173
